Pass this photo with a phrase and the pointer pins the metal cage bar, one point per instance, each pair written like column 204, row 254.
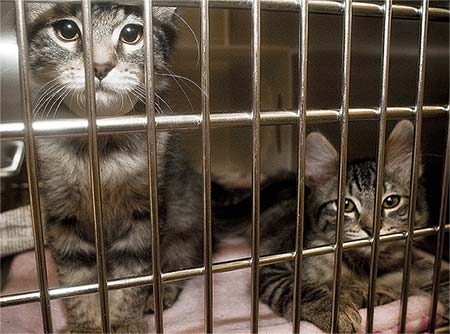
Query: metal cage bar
column 226, row 266
column 152, row 163
column 78, row 127
column 256, row 119
column 415, row 163
column 440, row 235
column 342, row 180
column 94, row 163
column 301, row 152
column 206, row 169
column 316, row 6
column 380, row 165
column 31, row 162
column 256, row 160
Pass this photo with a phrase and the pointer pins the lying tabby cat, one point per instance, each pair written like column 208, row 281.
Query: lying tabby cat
column 278, row 233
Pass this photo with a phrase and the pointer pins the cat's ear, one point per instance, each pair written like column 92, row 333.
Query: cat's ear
column 399, row 150
column 165, row 14
column 321, row 159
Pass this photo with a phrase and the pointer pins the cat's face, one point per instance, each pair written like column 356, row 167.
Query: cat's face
column 56, row 56
column 321, row 176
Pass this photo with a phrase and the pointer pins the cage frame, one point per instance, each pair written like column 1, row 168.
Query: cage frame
column 29, row 130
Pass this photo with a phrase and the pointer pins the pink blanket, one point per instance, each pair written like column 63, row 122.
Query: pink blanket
column 231, row 304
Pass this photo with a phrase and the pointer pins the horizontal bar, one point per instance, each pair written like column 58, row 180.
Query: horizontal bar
column 315, row 6
column 219, row 267
column 124, row 124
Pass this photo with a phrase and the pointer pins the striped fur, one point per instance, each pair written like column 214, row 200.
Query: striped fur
column 65, row 177
column 278, row 234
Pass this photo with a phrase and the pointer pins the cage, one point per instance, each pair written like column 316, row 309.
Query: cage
column 263, row 74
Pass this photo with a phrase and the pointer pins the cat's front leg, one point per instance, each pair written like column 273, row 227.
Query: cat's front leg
column 126, row 306
column 76, row 265
column 276, row 289
column 126, row 309
column 83, row 314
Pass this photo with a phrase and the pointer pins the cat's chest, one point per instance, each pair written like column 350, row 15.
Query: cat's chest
column 66, row 181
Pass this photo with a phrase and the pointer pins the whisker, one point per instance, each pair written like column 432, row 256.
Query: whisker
column 193, row 34
column 121, row 100
column 163, row 101
column 158, row 97
column 79, row 95
column 183, row 78
column 41, row 88
column 67, row 93
column 140, row 94
column 62, row 89
column 181, row 88
column 46, row 98
column 137, row 94
column 73, row 95
column 131, row 102
column 49, row 91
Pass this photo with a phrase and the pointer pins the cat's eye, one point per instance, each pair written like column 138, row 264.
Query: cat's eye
column 67, row 30
column 391, row 201
column 131, row 34
column 349, row 206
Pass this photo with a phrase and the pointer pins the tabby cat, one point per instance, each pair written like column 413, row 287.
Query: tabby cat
column 278, row 233
column 56, row 60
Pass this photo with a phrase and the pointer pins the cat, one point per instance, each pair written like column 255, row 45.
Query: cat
column 56, row 60
column 278, row 232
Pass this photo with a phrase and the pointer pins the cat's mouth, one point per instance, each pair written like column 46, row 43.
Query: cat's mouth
column 109, row 102
column 102, row 87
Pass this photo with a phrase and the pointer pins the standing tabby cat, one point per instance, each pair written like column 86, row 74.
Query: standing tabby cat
column 278, row 233
column 56, row 59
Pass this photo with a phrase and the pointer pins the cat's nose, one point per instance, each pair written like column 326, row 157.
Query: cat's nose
column 366, row 223
column 102, row 70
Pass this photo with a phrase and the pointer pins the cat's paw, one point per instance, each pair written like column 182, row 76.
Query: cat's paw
column 320, row 314
column 349, row 320
column 137, row 327
column 170, row 295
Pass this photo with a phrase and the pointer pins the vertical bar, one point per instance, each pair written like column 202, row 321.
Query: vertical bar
column 415, row 163
column 94, row 165
column 206, row 169
column 152, row 163
column 31, row 160
column 302, row 81
column 343, row 116
column 380, row 164
column 256, row 159
column 441, row 229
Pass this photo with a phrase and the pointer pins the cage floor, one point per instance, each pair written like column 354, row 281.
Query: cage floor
column 231, row 303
